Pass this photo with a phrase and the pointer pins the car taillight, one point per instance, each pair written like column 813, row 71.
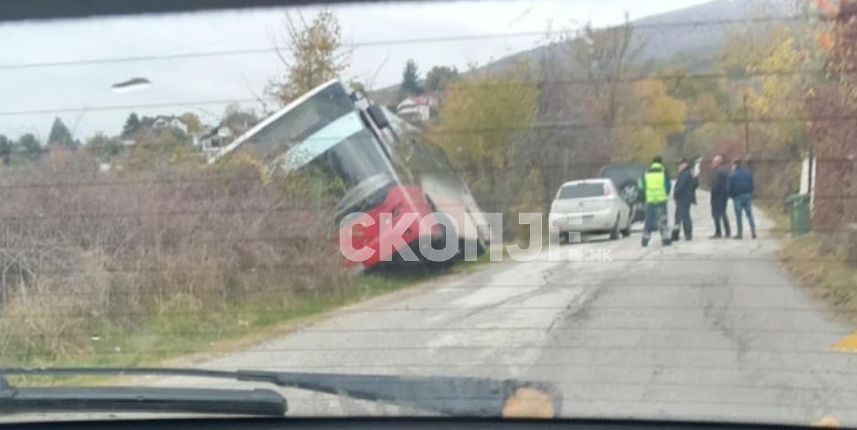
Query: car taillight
column 607, row 191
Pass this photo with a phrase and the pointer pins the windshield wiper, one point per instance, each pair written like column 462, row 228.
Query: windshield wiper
column 14, row 400
column 444, row 395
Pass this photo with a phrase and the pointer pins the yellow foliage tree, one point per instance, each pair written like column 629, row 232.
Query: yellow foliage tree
column 653, row 115
column 771, row 67
column 778, row 96
column 479, row 118
column 484, row 123
column 316, row 54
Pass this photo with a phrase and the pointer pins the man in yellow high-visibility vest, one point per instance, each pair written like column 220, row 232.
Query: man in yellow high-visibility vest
column 655, row 185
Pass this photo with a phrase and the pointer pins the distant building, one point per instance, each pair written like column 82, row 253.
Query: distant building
column 217, row 137
column 171, row 121
column 418, row 108
column 214, row 138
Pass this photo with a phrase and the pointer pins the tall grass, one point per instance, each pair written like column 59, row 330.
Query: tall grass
column 94, row 262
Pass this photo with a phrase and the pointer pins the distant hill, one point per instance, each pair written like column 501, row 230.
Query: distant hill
column 677, row 36
column 665, row 35
column 668, row 34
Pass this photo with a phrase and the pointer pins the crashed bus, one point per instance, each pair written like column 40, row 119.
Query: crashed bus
column 389, row 185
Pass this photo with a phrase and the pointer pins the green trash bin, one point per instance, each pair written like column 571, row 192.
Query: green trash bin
column 799, row 213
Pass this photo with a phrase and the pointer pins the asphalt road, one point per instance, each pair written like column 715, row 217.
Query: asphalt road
column 709, row 329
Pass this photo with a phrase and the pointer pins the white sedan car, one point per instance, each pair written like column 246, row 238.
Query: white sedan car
column 590, row 206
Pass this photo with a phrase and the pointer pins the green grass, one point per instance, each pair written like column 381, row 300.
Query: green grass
column 182, row 333
column 182, row 328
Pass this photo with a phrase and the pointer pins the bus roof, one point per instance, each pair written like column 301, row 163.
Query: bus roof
column 271, row 119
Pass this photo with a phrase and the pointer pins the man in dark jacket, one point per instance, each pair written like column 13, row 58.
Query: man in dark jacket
column 719, row 197
column 741, row 190
column 684, row 193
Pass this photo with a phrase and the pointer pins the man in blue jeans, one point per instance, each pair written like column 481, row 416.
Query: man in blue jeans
column 740, row 188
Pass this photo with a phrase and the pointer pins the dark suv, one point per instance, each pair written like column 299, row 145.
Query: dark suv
column 625, row 177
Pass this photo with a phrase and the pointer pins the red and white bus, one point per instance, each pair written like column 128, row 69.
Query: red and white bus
column 374, row 164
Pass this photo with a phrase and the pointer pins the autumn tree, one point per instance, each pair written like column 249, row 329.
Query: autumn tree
column 192, row 121
column 410, row 80
column 153, row 151
column 605, row 57
column 102, row 146
column 316, row 53
column 583, row 85
column 481, row 120
column 655, row 116
column 770, row 70
column 439, row 77
column 832, row 103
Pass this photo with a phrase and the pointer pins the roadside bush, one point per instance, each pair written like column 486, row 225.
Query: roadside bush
column 81, row 249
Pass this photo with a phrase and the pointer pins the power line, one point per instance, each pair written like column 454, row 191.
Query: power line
column 299, row 208
column 534, row 83
column 393, row 42
column 127, row 107
column 7, row 184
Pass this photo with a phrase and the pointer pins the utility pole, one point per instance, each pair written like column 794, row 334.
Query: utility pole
column 746, row 128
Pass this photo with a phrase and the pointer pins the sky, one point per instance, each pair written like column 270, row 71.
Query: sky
column 384, row 36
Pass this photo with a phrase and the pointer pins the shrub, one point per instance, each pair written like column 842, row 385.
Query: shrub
column 79, row 246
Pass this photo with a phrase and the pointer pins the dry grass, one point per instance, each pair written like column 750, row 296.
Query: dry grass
column 150, row 260
column 820, row 263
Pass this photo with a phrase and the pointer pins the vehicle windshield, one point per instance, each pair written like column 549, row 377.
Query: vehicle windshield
column 580, row 191
column 323, row 143
column 354, row 169
column 411, row 208
column 303, row 121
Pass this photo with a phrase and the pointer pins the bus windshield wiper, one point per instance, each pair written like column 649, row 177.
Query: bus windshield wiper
column 444, row 395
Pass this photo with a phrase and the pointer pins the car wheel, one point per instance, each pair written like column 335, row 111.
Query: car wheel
column 441, row 243
column 627, row 230
column 639, row 213
column 614, row 234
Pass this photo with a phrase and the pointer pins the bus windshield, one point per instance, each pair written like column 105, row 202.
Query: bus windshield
column 323, row 142
column 355, row 172
column 300, row 122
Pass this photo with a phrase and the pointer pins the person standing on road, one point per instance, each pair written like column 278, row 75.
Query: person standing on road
column 719, row 197
column 684, row 194
column 655, row 186
column 741, row 190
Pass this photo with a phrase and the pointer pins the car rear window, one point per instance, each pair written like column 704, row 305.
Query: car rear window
column 578, row 191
